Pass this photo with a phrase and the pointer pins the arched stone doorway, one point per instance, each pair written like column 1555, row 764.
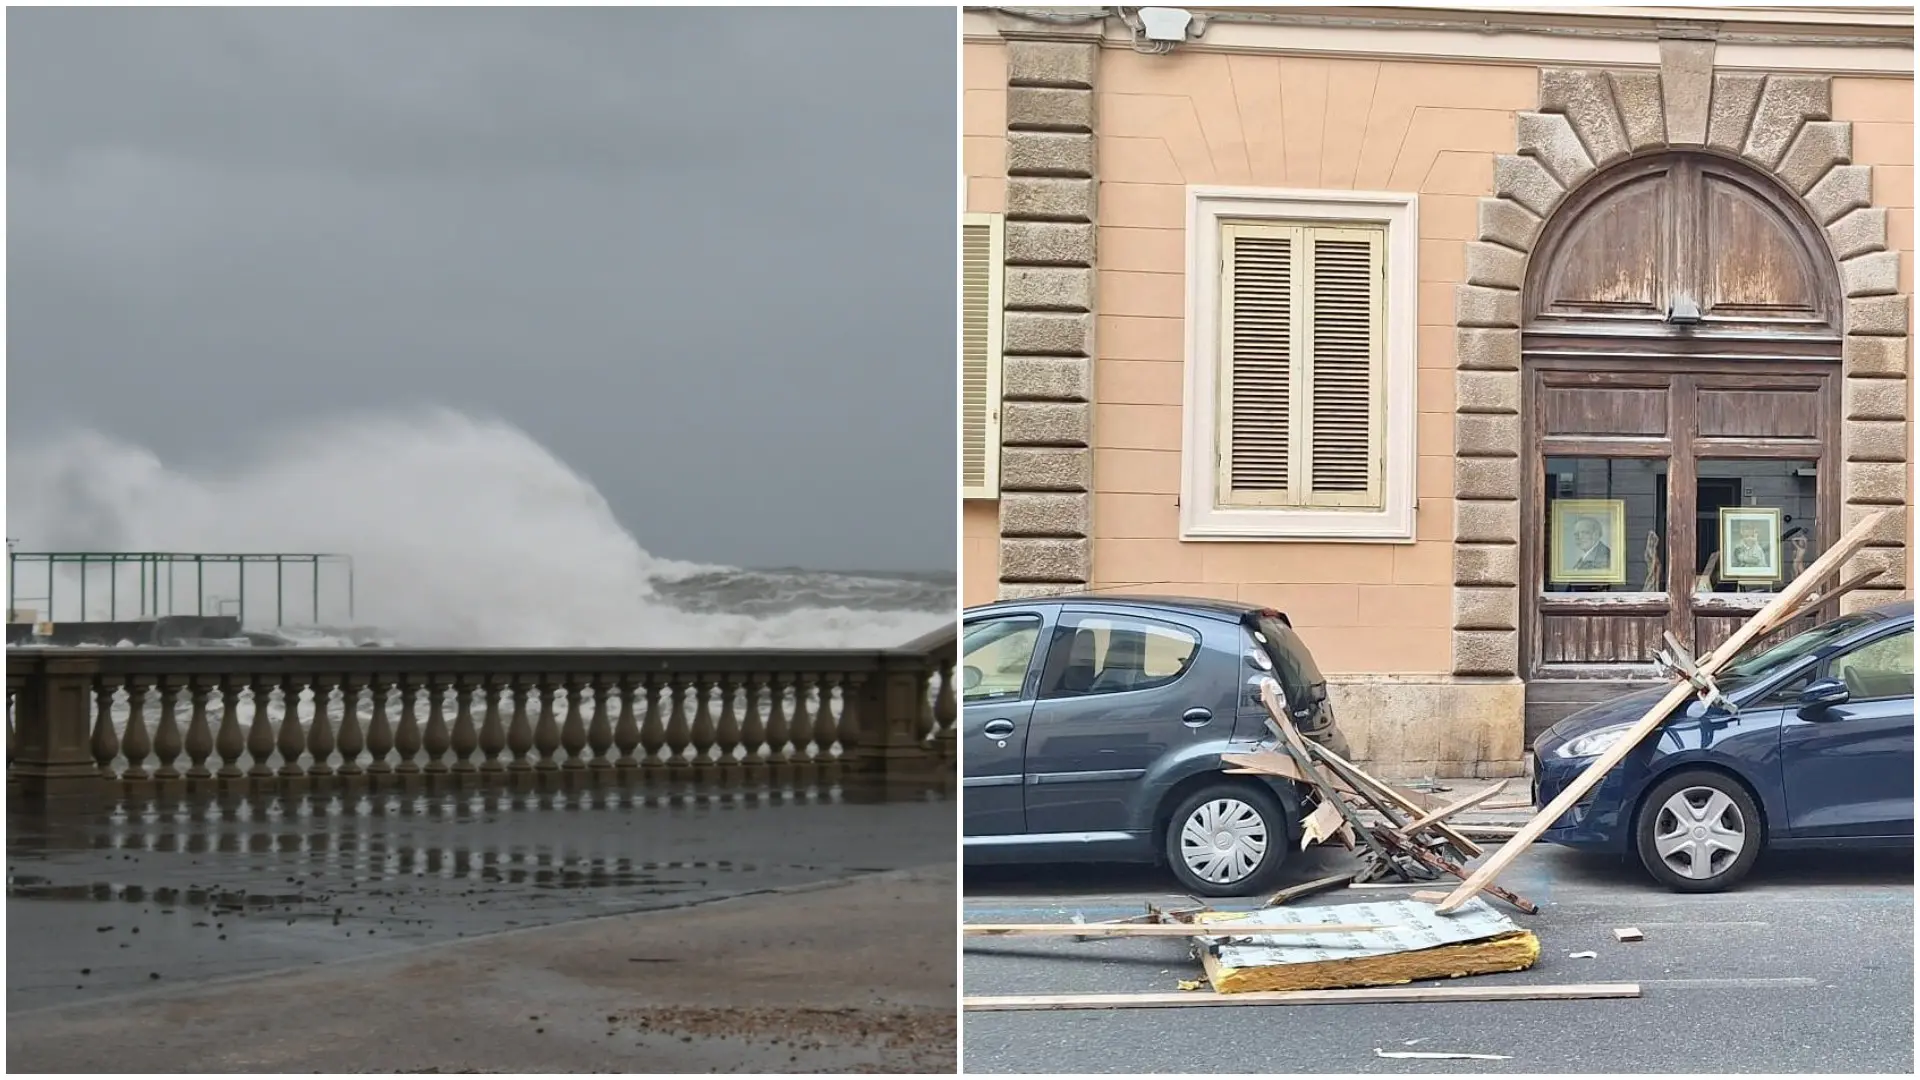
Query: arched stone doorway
column 1680, row 332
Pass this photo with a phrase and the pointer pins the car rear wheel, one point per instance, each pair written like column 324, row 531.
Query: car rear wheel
column 1227, row 839
column 1698, row 831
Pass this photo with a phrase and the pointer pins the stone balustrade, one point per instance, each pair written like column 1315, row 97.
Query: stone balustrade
column 131, row 722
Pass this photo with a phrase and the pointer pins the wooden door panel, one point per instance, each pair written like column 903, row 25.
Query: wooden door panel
column 1599, row 638
column 1755, row 265
column 1762, row 414
column 1581, row 410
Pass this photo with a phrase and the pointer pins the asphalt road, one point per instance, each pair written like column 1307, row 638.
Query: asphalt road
column 1808, row 967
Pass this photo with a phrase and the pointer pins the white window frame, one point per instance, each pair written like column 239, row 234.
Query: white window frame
column 1202, row 517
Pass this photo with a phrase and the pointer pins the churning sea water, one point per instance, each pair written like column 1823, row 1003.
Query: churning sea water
column 464, row 533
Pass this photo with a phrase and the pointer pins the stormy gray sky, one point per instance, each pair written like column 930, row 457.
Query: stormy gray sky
column 704, row 256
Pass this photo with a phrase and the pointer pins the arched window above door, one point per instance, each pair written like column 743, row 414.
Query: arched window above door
column 1683, row 247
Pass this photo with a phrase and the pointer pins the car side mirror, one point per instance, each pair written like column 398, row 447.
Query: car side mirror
column 970, row 678
column 1822, row 694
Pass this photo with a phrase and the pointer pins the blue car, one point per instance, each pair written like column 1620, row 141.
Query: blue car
column 1817, row 753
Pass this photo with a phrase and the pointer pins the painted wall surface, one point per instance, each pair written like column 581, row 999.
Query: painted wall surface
column 1283, row 122
column 983, row 75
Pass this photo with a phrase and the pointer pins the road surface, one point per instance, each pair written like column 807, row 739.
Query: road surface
column 1806, row 968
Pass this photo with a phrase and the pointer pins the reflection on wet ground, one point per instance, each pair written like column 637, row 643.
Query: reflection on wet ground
column 118, row 900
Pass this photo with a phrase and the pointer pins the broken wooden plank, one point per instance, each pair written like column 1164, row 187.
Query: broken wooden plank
column 1297, row 748
column 1829, row 595
column 1265, row 762
column 1628, row 933
column 1377, row 995
column 1784, row 601
column 1428, row 896
column 1305, row 888
column 1435, row 816
column 1388, row 793
column 1322, row 823
column 1212, row 929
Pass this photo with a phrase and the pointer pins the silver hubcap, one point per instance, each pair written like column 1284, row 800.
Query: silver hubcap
column 1223, row 840
column 1699, row 832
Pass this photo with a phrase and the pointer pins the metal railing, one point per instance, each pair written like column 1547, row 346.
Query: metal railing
column 163, row 721
column 155, row 582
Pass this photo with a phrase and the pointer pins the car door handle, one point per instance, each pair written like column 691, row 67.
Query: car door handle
column 997, row 729
column 1196, row 717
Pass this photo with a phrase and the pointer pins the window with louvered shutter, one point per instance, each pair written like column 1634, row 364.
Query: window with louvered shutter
column 980, row 256
column 1302, row 395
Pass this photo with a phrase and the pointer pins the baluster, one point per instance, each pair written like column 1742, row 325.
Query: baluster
column 166, row 738
column 726, row 734
column 802, row 729
column 320, row 738
column 600, row 734
column 106, row 741
column 260, row 727
column 380, row 728
column 438, row 739
column 827, row 728
column 465, row 739
column 943, row 712
column 573, row 733
column 352, row 739
column 778, row 752
column 136, row 743
column 493, row 735
column 546, row 733
column 406, row 737
column 678, row 734
column 653, row 729
column 925, row 725
column 520, row 734
column 199, row 734
column 626, row 733
column 753, row 733
column 230, row 742
column 703, row 733
column 293, row 738
column 854, row 720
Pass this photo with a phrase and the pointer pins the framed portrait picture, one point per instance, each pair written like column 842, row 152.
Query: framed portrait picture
column 1750, row 545
column 1587, row 542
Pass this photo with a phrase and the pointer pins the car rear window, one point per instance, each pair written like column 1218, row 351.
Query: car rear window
column 1293, row 664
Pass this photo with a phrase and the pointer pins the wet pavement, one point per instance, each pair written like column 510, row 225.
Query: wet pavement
column 149, row 896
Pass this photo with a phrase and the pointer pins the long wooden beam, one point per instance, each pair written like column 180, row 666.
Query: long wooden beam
column 1227, row 928
column 1372, row 994
column 1763, row 620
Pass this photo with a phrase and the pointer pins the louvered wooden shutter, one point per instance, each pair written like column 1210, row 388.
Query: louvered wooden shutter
column 1302, row 346
column 980, row 356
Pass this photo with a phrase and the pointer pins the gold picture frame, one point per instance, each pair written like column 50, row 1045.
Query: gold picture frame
column 1581, row 560
column 1750, row 548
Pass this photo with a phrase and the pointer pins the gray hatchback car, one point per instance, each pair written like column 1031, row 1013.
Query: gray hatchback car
column 1093, row 728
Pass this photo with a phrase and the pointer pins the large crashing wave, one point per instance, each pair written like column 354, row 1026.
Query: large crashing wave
column 463, row 533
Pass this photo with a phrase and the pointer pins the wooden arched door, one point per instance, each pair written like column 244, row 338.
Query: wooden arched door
column 1681, row 350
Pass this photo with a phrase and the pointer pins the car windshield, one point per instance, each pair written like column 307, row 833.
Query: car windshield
column 1753, row 661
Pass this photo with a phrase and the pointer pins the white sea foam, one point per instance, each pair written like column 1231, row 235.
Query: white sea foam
column 463, row 533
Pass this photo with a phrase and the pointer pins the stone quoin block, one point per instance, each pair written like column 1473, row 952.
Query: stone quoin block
column 1495, row 266
column 1891, row 532
column 1046, row 378
column 1821, row 145
column 1890, row 561
column 1550, row 138
column 1858, row 233
column 1486, row 564
column 1049, row 243
column 1049, row 198
column 1874, row 440
column 1047, row 333
column 1486, row 435
column 1870, row 356
column 1037, row 590
column 1786, row 102
column 1036, row 108
column 1505, row 222
column 1040, row 288
column 1067, row 65
column 1486, row 609
column 1484, row 349
column 1873, row 274
column 1036, row 513
column 1048, row 559
column 1641, row 110
column 1045, row 468
column 1486, row 391
column 1526, row 181
column 1874, row 399
column 1486, row 652
column 1486, row 477
column 1873, row 482
column 1490, row 521
column 1845, row 188
column 1735, row 95
column 1686, row 86
column 1045, row 423
column 1049, row 153
column 1477, row 306
column 1877, row 316
column 1586, row 97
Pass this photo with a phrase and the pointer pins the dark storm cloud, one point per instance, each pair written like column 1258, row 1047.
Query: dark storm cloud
column 704, row 255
